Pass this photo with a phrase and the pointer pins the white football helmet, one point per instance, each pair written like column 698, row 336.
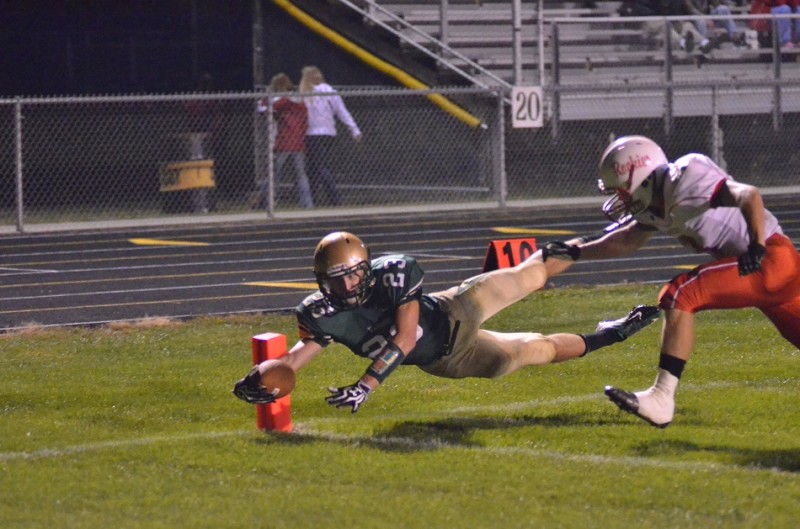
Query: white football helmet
column 337, row 255
column 625, row 169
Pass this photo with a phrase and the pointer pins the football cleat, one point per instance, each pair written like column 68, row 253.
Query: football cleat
column 629, row 402
column 636, row 320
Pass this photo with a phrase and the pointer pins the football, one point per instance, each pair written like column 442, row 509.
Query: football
column 278, row 378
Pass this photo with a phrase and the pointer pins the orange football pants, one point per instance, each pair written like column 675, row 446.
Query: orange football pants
column 774, row 289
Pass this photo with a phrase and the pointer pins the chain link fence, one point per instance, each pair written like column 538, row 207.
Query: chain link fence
column 188, row 157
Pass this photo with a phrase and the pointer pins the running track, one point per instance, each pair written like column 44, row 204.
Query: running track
column 100, row 276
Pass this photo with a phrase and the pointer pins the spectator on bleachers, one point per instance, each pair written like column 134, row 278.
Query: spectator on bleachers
column 784, row 26
column 730, row 32
column 698, row 8
column 681, row 34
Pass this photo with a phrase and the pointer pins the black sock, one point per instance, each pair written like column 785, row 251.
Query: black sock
column 672, row 364
column 598, row 340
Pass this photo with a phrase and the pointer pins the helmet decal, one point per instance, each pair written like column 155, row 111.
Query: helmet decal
column 627, row 168
column 626, row 165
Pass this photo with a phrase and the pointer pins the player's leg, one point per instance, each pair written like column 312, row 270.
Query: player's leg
column 484, row 295
column 490, row 354
column 481, row 353
column 523, row 349
column 786, row 317
column 493, row 354
column 534, row 349
column 713, row 285
column 656, row 404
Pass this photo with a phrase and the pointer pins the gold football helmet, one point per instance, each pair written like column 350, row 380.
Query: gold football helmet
column 343, row 271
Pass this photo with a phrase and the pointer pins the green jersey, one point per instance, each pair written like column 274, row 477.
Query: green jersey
column 365, row 329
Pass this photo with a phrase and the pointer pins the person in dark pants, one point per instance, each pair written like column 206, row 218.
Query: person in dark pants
column 291, row 118
column 324, row 108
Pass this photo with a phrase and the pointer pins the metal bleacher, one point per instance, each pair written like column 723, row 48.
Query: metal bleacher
column 480, row 31
column 575, row 43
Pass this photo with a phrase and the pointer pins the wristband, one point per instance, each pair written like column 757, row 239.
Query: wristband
column 387, row 361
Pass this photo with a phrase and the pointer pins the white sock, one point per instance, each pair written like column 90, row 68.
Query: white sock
column 657, row 403
column 666, row 383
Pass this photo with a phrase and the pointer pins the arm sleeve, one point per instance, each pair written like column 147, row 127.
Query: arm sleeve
column 341, row 112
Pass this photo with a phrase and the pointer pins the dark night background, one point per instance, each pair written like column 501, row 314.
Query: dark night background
column 90, row 47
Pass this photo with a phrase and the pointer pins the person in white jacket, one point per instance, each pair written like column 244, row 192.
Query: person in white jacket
column 325, row 106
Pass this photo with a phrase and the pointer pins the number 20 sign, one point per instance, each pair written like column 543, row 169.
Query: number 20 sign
column 526, row 107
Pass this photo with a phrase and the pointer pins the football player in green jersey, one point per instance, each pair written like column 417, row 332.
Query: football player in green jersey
column 377, row 309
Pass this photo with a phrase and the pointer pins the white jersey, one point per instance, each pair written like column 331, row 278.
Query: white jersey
column 324, row 110
column 688, row 187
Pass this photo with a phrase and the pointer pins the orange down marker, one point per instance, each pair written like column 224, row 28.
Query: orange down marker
column 276, row 416
column 506, row 253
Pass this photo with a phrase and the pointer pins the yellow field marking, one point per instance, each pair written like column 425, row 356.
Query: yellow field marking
column 527, row 231
column 163, row 242
column 685, row 267
column 276, row 284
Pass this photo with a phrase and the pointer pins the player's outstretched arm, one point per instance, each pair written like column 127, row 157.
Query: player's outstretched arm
column 559, row 256
column 302, row 353
column 389, row 358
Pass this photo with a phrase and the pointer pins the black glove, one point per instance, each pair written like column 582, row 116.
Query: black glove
column 250, row 390
column 561, row 250
column 353, row 396
column 750, row 261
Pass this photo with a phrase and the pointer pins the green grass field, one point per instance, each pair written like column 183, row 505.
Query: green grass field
column 135, row 427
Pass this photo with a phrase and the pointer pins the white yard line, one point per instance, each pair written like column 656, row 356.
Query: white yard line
column 310, row 429
column 120, row 443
